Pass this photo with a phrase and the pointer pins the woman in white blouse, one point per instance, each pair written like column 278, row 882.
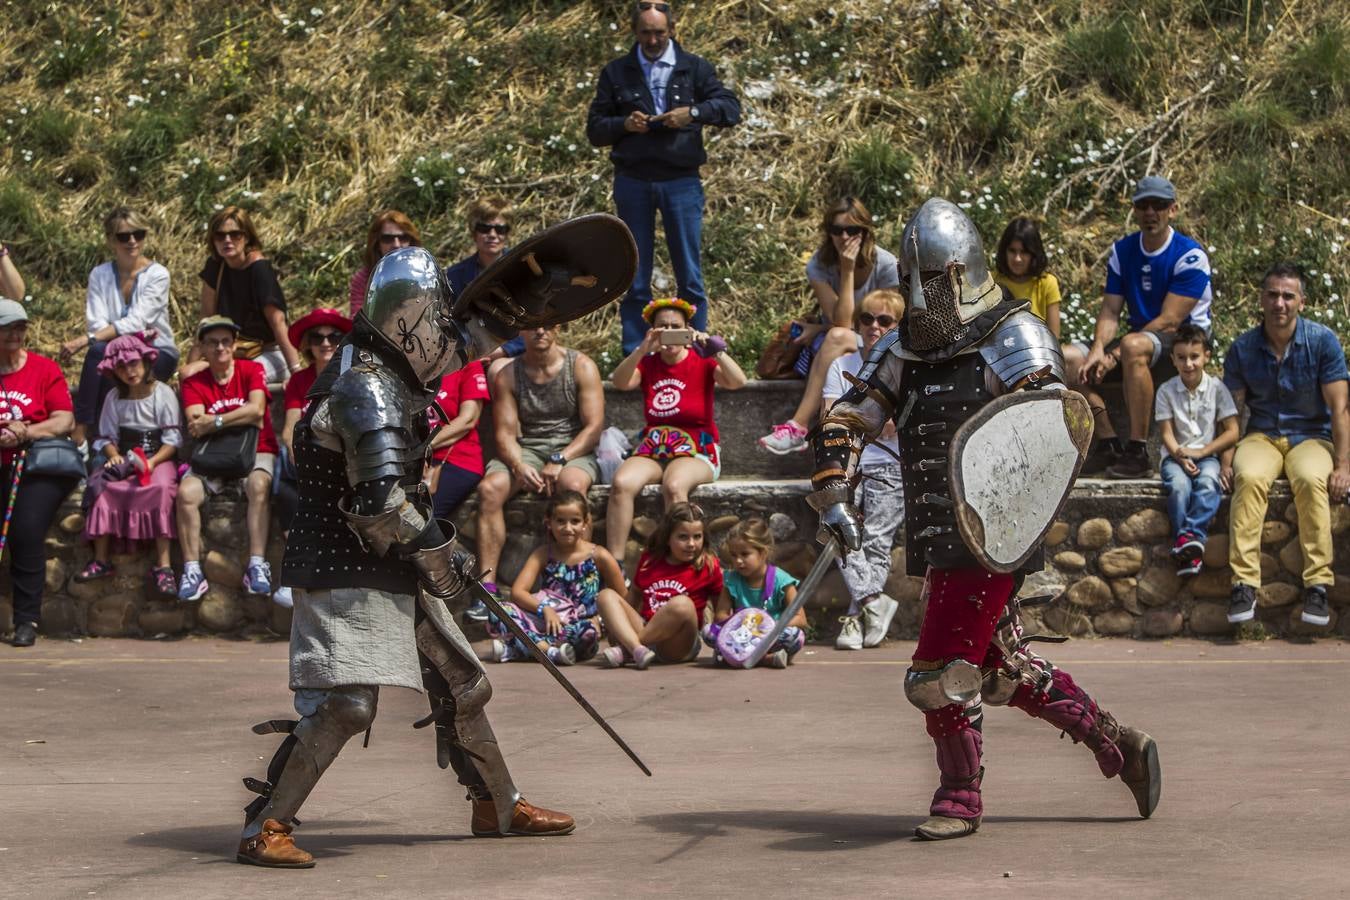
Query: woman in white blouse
column 129, row 295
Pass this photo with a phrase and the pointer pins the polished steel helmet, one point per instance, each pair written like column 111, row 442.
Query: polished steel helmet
column 408, row 303
column 945, row 274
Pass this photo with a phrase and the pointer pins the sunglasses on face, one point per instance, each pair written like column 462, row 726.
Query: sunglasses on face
column 1156, row 204
column 232, row 235
column 850, row 230
column 396, row 238
column 218, row 343
column 485, row 228
column 883, row 320
column 126, row 236
column 327, row 337
column 659, row 7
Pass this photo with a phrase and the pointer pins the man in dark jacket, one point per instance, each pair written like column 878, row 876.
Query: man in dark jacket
column 650, row 107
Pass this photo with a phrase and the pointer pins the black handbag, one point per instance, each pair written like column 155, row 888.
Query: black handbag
column 227, row 454
column 57, row 457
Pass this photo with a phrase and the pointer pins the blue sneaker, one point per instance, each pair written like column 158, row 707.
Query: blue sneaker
column 258, row 579
column 478, row 611
column 192, row 586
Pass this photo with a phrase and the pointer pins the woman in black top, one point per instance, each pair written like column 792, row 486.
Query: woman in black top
column 239, row 282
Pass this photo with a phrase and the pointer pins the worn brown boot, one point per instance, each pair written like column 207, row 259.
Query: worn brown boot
column 527, row 820
column 1141, row 772
column 273, row 848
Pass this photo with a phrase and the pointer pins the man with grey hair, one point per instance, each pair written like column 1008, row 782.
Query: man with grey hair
column 650, row 107
column 1161, row 277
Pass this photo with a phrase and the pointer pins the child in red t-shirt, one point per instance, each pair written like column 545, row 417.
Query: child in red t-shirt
column 676, row 578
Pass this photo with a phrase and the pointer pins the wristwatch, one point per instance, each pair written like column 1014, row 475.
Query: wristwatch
column 220, row 422
column 693, row 112
column 557, row 459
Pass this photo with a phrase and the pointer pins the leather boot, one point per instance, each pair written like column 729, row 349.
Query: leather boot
column 1142, row 772
column 273, row 848
column 527, row 820
column 957, row 805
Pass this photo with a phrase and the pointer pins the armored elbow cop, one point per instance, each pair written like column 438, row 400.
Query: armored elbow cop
column 429, row 544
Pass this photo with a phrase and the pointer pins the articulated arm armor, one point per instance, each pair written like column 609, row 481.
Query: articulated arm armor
column 1022, row 353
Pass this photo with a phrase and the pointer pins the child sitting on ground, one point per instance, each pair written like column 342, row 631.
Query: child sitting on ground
column 1189, row 408
column 676, row 577
column 573, row 574
column 754, row 583
column 131, row 497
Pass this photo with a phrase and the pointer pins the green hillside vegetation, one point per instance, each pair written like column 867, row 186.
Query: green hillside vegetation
column 313, row 115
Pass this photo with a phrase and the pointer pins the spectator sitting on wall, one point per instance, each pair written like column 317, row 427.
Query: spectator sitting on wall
column 456, row 452
column 389, row 230
column 650, row 107
column 239, row 283
column 229, row 393
column 1291, row 374
column 846, row 267
column 676, row 368
column 549, row 410
column 129, row 295
column 1162, row 277
column 1020, row 267
column 489, row 226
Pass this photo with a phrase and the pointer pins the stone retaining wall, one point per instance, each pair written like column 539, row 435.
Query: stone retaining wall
column 1107, row 565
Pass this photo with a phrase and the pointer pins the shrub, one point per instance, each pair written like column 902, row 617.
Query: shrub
column 1316, row 77
column 1252, row 124
column 80, row 48
column 990, row 117
column 1123, row 55
column 49, row 130
column 151, row 136
column 876, row 170
column 943, row 48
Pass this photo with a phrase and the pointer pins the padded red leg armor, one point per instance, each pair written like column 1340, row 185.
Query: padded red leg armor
column 1070, row 709
column 959, row 744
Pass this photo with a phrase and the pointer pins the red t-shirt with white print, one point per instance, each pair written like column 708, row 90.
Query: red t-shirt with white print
column 659, row 580
column 32, row 394
column 467, row 383
column 203, row 390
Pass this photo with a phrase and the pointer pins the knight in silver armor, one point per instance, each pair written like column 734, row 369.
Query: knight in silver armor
column 962, row 343
column 373, row 573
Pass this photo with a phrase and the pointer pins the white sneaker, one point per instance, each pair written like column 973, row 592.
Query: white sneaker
column 877, row 614
column 778, row 659
column 282, row 597
column 501, row 652
column 789, row 437
column 850, row 636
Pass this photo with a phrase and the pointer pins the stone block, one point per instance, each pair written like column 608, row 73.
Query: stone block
column 1065, row 619
column 1213, row 584
column 643, row 526
column 1094, row 534
column 1339, row 593
column 794, row 557
column 1275, row 532
column 221, row 569
column 1126, row 592
column 219, row 610
column 1113, row 622
column 1144, row 527
column 59, row 616
column 225, row 531
column 135, row 565
column 161, row 617
column 1270, row 567
column 1159, row 586
column 1291, row 513
column 1210, row 620
column 56, row 576
column 73, row 524
column 256, row 609
column 1058, row 534
column 1090, row 593
column 1340, row 518
column 516, row 518
column 1161, row 555
column 1216, row 551
column 1120, row 562
column 111, row 616
column 6, row 614
column 89, row 591
column 782, row 527
column 1291, row 557
column 1277, row 593
column 1303, row 629
column 1070, row 561
column 722, row 523
column 468, row 528
column 58, row 545
column 905, row 588
column 631, row 551
column 1046, row 581
column 1160, row 623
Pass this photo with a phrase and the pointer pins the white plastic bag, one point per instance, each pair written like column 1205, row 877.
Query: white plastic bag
column 614, row 446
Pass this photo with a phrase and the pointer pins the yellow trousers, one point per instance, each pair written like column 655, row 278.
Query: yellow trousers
column 1258, row 462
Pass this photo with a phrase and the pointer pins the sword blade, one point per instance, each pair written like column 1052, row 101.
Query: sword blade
column 513, row 626
column 828, row 554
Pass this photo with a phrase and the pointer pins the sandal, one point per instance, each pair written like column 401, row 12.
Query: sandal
column 96, row 569
column 163, row 581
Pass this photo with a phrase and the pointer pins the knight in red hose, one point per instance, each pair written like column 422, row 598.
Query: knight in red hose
column 962, row 343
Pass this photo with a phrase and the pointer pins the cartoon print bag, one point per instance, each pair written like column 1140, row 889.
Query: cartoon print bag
column 741, row 634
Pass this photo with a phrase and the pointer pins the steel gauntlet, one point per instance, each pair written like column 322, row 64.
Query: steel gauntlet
column 837, row 451
column 445, row 569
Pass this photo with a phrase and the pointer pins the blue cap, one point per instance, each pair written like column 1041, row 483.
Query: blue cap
column 1154, row 186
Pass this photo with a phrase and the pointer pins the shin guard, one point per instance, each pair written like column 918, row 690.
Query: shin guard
column 956, row 735
column 1069, row 708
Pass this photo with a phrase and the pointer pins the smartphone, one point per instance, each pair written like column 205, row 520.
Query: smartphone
column 676, row 337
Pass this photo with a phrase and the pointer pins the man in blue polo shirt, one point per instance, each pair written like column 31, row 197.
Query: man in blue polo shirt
column 650, row 107
column 1291, row 374
column 1161, row 277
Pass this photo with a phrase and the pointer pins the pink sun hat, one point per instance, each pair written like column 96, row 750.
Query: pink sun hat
column 123, row 349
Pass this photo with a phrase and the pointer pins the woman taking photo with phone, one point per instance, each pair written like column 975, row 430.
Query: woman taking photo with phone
column 676, row 368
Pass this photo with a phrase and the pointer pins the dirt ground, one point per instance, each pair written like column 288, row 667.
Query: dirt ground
column 120, row 763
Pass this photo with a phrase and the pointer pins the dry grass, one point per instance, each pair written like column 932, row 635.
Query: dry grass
column 315, row 121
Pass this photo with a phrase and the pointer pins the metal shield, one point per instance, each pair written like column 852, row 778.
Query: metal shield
column 557, row 275
column 1012, row 466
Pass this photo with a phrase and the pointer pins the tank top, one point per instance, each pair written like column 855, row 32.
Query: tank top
column 549, row 410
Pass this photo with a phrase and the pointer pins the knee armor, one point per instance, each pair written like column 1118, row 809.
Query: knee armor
column 956, row 682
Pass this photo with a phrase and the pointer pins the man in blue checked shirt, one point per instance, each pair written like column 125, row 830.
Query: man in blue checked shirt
column 1291, row 373
column 1161, row 277
column 650, row 108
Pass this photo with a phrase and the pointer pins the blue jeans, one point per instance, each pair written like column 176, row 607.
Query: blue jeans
column 680, row 201
column 1192, row 501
